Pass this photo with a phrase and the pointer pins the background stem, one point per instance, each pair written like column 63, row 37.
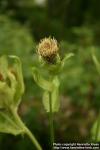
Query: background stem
column 97, row 128
column 25, row 129
column 51, row 122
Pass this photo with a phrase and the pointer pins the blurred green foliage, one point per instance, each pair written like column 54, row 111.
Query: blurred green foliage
column 75, row 24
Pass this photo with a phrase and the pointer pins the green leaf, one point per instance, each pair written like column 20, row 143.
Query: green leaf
column 46, row 101
column 67, row 56
column 8, row 124
column 96, row 62
column 6, row 95
column 13, row 84
column 19, row 90
column 3, row 66
column 54, row 97
column 44, row 84
column 94, row 130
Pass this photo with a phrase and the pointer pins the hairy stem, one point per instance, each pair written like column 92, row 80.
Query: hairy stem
column 51, row 122
column 25, row 129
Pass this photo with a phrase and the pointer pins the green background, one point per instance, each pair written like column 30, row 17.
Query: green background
column 76, row 26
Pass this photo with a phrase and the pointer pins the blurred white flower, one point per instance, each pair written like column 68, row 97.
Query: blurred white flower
column 40, row 2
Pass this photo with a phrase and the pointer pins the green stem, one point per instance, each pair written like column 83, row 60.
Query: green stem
column 97, row 127
column 51, row 122
column 25, row 129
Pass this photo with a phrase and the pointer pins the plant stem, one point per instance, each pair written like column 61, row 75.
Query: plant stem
column 25, row 129
column 33, row 139
column 97, row 127
column 51, row 122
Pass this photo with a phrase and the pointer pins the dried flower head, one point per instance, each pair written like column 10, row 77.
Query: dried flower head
column 48, row 49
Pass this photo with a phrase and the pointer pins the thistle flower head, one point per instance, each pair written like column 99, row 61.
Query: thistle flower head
column 48, row 49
